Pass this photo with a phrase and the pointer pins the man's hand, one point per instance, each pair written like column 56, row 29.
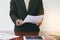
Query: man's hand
column 38, row 23
column 19, row 22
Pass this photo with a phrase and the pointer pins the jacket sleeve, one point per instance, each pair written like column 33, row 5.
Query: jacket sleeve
column 13, row 11
column 41, row 9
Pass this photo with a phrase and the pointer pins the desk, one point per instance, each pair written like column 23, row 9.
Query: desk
column 21, row 34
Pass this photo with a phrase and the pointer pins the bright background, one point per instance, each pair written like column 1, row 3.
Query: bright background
column 5, row 21
column 51, row 21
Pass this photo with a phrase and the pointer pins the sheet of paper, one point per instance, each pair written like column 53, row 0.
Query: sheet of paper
column 33, row 19
column 5, row 36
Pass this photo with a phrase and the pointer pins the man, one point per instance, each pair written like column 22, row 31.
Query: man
column 19, row 9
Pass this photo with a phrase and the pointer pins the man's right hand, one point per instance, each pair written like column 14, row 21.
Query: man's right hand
column 19, row 22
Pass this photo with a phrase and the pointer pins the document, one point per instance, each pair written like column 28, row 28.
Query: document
column 5, row 36
column 33, row 37
column 33, row 19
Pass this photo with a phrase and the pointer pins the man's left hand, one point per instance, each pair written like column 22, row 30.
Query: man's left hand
column 38, row 23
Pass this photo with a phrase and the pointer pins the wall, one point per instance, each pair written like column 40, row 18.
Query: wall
column 5, row 21
column 51, row 20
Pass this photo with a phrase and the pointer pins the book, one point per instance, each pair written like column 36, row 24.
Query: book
column 33, row 38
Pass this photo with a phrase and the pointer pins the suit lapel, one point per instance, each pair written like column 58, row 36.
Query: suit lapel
column 31, row 4
column 23, row 4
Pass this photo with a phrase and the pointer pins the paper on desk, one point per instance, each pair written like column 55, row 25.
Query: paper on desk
column 5, row 36
column 33, row 19
column 33, row 37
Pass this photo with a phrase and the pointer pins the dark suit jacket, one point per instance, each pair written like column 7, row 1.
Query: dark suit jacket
column 18, row 9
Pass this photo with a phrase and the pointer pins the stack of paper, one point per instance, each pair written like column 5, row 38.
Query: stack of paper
column 5, row 36
column 32, row 19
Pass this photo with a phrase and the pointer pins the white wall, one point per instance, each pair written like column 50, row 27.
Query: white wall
column 5, row 21
column 51, row 20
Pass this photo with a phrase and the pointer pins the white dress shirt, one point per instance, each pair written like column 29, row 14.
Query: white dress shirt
column 26, row 4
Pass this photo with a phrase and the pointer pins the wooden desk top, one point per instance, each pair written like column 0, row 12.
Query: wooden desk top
column 21, row 34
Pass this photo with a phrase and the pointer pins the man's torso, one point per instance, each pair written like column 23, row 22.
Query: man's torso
column 33, row 8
